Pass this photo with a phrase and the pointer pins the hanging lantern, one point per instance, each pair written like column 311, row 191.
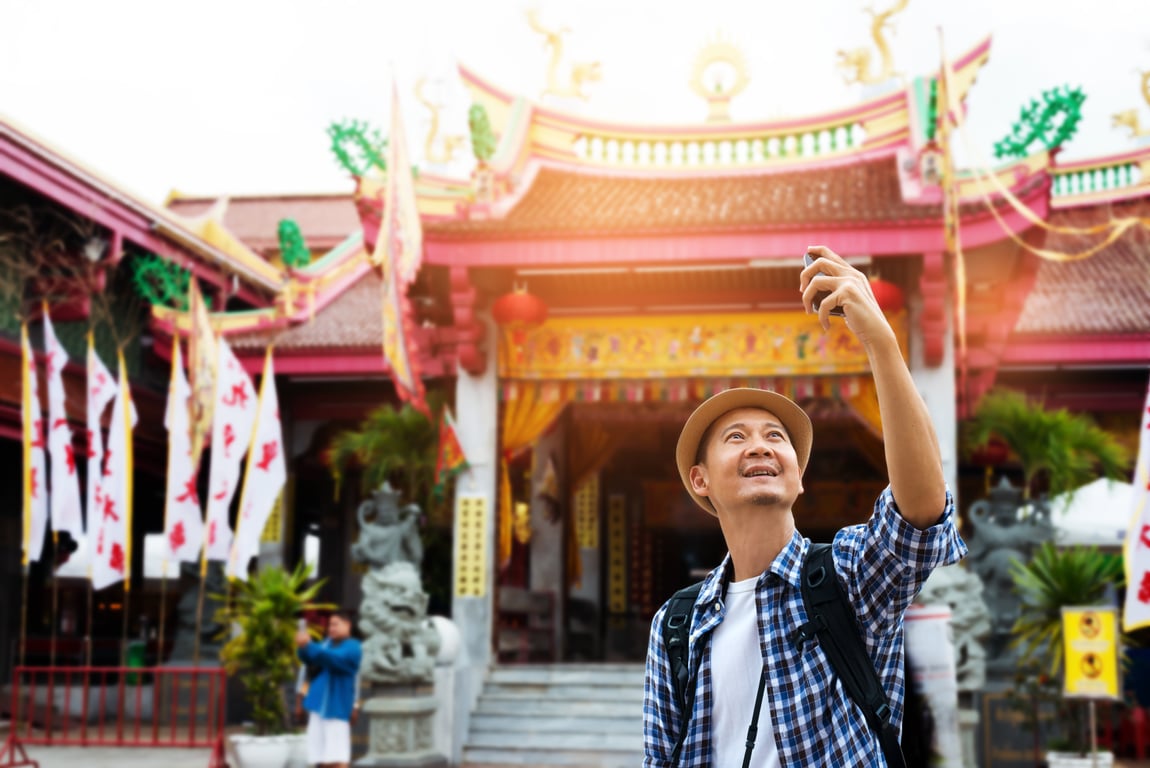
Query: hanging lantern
column 519, row 312
column 994, row 453
column 887, row 294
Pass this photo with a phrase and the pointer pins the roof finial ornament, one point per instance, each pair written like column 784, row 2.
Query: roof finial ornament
column 581, row 72
column 1129, row 118
column 719, row 75
column 436, row 153
column 857, row 61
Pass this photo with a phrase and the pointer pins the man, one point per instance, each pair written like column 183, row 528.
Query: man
column 331, row 696
column 741, row 456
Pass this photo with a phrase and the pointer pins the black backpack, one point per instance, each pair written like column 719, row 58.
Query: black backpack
column 831, row 621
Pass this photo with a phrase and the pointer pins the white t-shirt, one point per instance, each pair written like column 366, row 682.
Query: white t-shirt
column 736, row 666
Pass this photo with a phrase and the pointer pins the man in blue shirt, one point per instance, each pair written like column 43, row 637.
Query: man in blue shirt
column 741, row 456
column 330, row 699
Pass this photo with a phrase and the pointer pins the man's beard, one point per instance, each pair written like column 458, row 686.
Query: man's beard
column 764, row 499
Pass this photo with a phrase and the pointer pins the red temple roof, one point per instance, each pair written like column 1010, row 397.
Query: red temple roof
column 1108, row 293
column 566, row 203
column 325, row 219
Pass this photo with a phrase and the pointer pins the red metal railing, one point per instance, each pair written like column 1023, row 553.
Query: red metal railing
column 118, row 706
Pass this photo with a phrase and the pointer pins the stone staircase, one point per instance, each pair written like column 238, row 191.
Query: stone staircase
column 572, row 715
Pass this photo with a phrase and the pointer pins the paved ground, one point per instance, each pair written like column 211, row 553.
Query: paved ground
column 112, row 757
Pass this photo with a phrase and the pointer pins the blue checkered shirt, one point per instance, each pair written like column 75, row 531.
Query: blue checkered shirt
column 882, row 564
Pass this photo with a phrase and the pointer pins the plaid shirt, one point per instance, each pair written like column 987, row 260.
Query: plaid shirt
column 882, row 564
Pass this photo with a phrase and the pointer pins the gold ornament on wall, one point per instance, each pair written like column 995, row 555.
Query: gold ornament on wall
column 720, row 74
column 580, row 73
column 1129, row 118
column 857, row 62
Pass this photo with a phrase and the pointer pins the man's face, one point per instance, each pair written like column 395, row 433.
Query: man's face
column 747, row 459
column 338, row 628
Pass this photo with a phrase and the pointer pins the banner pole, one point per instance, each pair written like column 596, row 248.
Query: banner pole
column 124, row 627
column 55, row 602
column 200, row 606
column 88, row 629
column 163, row 611
column 24, row 615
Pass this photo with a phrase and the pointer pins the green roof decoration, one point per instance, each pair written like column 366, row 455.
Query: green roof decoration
column 1053, row 121
column 482, row 137
column 368, row 144
column 160, row 282
column 932, row 111
column 293, row 247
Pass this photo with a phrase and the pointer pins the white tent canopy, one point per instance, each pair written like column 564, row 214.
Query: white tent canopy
column 1098, row 514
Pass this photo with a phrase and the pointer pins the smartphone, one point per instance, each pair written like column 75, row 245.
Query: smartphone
column 838, row 311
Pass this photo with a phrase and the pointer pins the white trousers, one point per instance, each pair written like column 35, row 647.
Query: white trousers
column 328, row 741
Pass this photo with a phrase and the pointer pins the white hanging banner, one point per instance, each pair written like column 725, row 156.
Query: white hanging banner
column 64, row 502
column 234, row 415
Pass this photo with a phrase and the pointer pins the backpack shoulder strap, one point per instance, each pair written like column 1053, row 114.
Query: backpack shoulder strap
column 676, row 641
column 831, row 619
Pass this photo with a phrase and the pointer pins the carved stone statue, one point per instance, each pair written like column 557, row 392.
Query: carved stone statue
column 387, row 534
column 959, row 588
column 184, row 640
column 1005, row 530
column 401, row 643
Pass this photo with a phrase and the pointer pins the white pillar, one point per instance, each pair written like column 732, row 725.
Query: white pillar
column 476, row 421
column 937, row 385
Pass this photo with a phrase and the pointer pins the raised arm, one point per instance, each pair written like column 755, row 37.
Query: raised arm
column 912, row 454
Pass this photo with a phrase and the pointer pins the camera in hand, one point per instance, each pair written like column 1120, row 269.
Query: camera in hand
column 839, row 311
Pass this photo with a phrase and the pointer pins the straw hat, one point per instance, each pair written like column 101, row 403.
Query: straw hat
column 794, row 419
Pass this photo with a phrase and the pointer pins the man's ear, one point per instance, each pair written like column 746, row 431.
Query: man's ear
column 699, row 480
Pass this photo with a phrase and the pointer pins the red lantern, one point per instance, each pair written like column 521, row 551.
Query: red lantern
column 519, row 312
column 887, row 294
column 993, row 454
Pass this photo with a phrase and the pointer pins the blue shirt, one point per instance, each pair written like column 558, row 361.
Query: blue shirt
column 332, row 693
column 882, row 565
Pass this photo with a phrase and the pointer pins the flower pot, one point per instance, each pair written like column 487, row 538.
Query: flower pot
column 1099, row 759
column 297, row 758
column 262, row 751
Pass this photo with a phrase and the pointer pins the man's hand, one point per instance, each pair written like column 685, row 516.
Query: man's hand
column 847, row 288
column 302, row 638
column 913, row 459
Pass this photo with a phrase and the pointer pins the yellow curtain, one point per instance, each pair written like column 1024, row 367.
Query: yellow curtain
column 589, row 449
column 525, row 418
column 865, row 405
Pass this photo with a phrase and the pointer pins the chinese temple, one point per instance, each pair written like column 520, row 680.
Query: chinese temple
column 589, row 283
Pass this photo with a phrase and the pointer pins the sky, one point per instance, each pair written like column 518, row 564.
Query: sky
column 218, row 97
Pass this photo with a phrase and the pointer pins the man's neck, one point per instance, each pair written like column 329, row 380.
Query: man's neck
column 755, row 537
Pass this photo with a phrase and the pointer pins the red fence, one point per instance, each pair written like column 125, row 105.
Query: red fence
column 118, row 706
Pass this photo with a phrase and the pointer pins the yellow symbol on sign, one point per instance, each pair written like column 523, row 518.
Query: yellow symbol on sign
column 1091, row 665
column 1089, row 625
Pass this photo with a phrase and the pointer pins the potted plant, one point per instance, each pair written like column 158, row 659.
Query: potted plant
column 1057, row 450
column 260, row 620
column 1053, row 579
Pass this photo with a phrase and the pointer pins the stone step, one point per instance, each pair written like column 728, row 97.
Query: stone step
column 568, row 692
column 494, row 758
column 572, row 742
column 613, row 674
column 557, row 723
column 574, row 716
column 519, row 705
